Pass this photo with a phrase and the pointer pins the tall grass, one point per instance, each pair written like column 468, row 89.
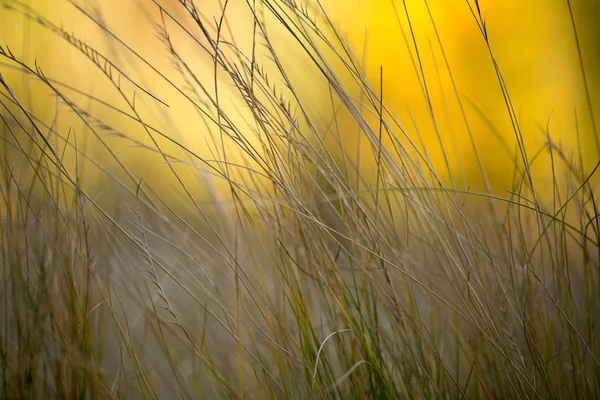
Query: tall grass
column 270, row 260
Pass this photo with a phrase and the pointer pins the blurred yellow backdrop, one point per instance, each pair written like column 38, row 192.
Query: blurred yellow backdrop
column 173, row 107
column 446, row 96
column 436, row 50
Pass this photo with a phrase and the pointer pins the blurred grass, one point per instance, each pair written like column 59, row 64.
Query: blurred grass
column 272, row 199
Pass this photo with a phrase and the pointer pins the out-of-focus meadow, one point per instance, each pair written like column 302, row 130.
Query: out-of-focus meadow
column 308, row 199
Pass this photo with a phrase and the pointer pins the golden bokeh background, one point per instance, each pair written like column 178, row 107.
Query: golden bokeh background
column 534, row 46
column 440, row 86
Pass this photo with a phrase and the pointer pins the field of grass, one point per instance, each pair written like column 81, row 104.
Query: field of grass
column 242, row 199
